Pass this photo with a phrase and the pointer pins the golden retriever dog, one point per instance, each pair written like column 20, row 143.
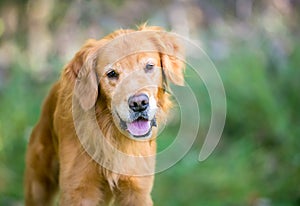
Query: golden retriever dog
column 94, row 143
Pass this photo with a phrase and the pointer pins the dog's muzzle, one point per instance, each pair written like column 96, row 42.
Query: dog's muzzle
column 141, row 125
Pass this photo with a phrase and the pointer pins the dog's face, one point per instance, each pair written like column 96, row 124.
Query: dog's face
column 133, row 85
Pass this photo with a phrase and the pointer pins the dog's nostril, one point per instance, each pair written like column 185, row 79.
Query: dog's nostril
column 144, row 103
column 138, row 103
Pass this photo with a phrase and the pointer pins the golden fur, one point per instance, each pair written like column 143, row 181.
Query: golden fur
column 65, row 150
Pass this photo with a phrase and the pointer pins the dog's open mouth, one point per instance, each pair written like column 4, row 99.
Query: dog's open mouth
column 139, row 128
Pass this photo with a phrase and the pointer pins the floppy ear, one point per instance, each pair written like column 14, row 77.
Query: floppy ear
column 172, row 57
column 83, row 68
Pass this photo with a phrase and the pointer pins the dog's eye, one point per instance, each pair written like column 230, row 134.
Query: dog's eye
column 149, row 67
column 112, row 74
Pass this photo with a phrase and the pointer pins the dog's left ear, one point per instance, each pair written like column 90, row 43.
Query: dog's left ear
column 172, row 57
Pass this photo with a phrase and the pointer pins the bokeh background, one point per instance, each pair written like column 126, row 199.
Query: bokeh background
column 255, row 46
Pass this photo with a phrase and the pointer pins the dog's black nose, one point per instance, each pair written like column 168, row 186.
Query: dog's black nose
column 138, row 103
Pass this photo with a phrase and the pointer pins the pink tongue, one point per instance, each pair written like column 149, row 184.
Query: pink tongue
column 139, row 127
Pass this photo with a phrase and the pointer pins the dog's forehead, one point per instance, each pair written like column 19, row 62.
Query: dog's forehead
column 140, row 58
column 129, row 62
column 126, row 47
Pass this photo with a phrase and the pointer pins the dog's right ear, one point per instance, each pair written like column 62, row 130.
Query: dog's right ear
column 82, row 67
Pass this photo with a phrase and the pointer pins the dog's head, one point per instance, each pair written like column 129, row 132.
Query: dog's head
column 127, row 72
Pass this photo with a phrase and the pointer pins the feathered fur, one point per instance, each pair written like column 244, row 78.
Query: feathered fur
column 92, row 169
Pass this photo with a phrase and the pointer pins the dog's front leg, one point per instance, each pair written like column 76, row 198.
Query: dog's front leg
column 135, row 191
column 80, row 188
column 79, row 181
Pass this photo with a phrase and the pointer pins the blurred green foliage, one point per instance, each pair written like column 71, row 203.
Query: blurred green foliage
column 258, row 156
column 257, row 161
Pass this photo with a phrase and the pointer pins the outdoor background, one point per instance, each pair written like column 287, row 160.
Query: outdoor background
column 255, row 46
